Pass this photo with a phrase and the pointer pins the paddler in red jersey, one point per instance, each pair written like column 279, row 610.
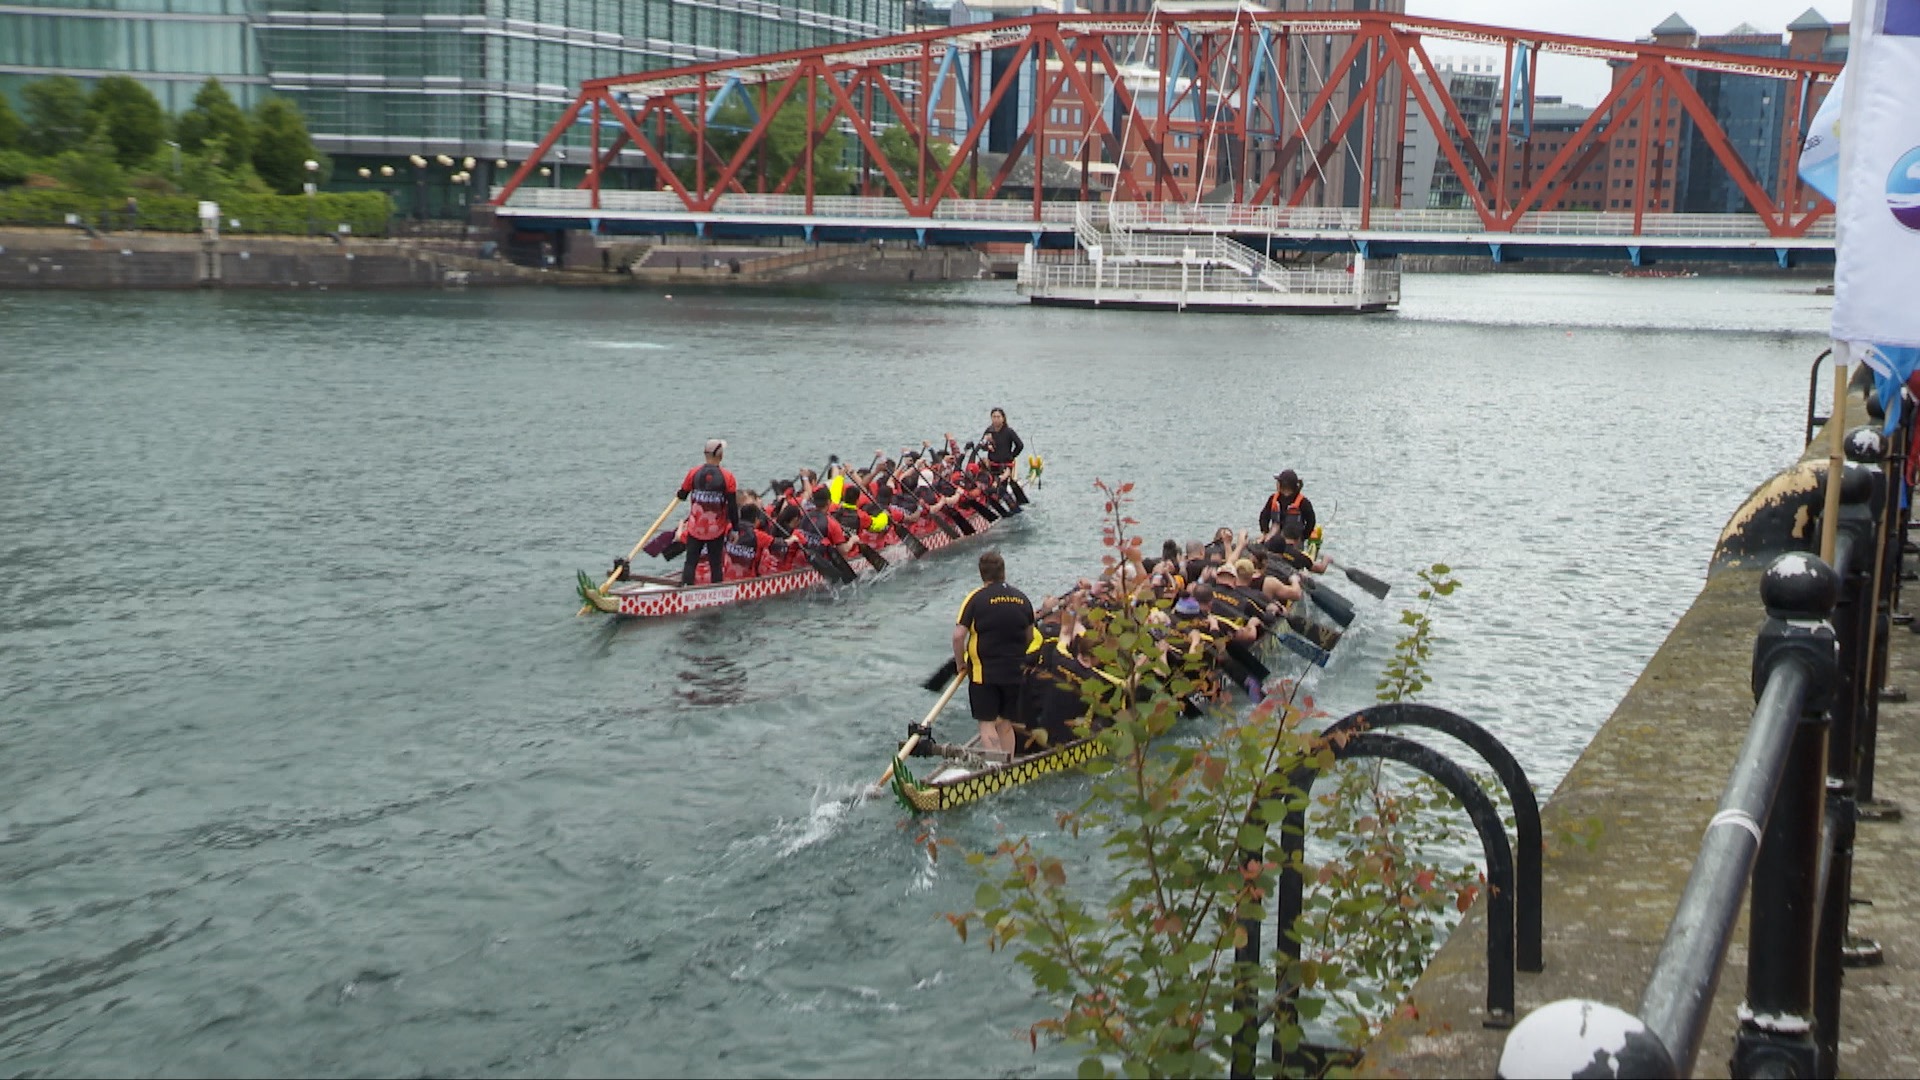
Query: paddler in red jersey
column 817, row 522
column 709, row 491
column 750, row 548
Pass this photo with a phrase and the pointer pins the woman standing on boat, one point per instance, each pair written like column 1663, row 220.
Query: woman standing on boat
column 1002, row 442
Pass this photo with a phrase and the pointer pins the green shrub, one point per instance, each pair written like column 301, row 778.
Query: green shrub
column 15, row 167
column 366, row 213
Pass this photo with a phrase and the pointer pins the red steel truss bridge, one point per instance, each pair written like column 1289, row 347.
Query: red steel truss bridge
column 1267, row 126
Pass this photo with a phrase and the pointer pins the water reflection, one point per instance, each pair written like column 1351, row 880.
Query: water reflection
column 711, row 673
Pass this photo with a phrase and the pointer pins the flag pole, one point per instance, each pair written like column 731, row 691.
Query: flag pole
column 1842, row 354
column 1836, row 453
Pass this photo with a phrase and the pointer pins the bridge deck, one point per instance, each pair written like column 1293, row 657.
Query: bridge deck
column 1384, row 232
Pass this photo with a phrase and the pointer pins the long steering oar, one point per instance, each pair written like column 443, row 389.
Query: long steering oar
column 631, row 555
column 945, row 673
column 914, row 739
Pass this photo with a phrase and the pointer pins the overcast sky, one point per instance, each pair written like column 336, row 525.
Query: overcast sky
column 1583, row 82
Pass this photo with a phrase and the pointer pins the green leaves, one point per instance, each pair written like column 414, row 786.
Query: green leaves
column 1138, row 954
column 1405, row 674
column 282, row 147
column 130, row 117
column 215, row 116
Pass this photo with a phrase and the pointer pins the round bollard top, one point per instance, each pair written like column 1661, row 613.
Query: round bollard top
column 1799, row 585
column 1856, row 485
column 1582, row 1039
column 1865, row 445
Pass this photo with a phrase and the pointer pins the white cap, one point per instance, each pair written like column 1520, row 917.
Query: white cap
column 716, row 446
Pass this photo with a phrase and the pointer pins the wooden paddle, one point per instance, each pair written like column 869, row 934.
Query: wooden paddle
column 914, row 740
column 1304, row 648
column 913, row 542
column 946, row 672
column 1337, row 607
column 1377, row 588
column 651, row 529
column 1373, row 585
column 834, row 567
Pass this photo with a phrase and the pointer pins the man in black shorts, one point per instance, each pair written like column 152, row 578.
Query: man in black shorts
column 991, row 640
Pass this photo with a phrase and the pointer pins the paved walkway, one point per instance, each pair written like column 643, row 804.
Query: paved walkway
column 1649, row 782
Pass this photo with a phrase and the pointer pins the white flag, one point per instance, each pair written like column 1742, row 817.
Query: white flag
column 1820, row 154
column 1877, row 277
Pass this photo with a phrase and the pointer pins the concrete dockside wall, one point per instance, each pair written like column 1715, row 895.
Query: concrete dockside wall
column 60, row 259
column 66, row 259
column 1650, row 781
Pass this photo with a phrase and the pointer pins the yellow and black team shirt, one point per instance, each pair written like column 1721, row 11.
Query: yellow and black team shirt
column 1001, row 632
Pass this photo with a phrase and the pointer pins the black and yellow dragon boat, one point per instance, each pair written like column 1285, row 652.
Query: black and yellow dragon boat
column 961, row 773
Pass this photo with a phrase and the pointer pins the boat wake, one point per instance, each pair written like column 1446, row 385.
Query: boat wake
column 624, row 345
column 831, row 806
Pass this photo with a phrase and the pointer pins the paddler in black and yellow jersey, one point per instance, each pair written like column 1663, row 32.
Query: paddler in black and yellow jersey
column 992, row 638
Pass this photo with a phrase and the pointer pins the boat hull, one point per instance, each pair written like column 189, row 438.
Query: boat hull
column 937, row 793
column 655, row 598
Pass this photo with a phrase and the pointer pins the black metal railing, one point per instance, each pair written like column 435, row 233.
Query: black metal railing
column 1782, row 839
column 1513, row 871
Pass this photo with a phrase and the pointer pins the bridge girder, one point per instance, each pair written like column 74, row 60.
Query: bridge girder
column 1214, row 96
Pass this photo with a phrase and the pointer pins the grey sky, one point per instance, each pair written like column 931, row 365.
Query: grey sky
column 1585, row 81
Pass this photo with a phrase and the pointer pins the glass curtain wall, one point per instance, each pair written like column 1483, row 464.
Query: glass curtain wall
column 171, row 46
column 385, row 81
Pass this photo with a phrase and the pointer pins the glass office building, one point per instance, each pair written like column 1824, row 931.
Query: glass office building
column 170, row 45
column 381, row 81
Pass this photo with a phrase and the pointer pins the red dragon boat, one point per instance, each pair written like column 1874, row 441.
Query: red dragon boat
column 645, row 597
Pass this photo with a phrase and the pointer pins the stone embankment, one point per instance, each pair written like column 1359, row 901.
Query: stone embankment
column 721, row 264
column 1647, row 786
column 65, row 259
column 69, row 259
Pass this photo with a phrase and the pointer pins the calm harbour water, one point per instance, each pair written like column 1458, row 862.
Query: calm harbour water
column 307, row 768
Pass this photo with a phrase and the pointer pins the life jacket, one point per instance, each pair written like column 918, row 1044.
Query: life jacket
column 1289, row 514
column 707, row 496
column 743, row 551
column 814, row 523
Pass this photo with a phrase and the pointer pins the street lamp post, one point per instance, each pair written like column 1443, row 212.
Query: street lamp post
column 419, row 187
column 313, row 171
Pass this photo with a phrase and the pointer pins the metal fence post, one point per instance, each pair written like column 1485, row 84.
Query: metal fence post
column 1777, row 1018
column 1866, row 449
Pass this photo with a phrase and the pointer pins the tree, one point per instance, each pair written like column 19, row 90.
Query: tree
column 215, row 116
column 93, row 168
column 131, row 117
column 902, row 151
column 783, row 145
column 57, row 115
column 282, row 147
column 12, row 129
column 1140, row 957
column 212, row 172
